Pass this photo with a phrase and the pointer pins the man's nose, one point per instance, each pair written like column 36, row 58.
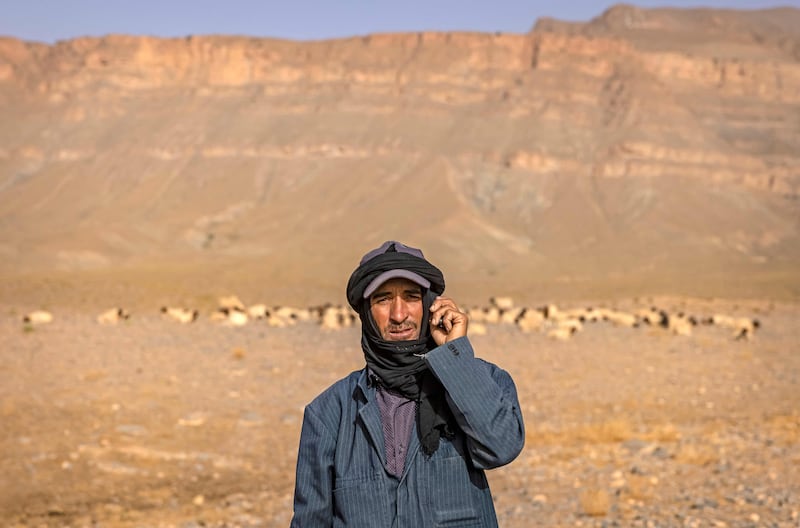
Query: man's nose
column 399, row 310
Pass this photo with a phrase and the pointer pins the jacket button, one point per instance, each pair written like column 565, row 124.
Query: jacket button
column 453, row 349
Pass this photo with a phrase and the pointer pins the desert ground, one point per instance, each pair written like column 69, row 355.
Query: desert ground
column 154, row 423
column 647, row 157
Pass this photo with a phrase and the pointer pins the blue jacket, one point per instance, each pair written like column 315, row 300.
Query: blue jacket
column 341, row 476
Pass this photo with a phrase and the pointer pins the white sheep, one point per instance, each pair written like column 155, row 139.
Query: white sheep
column 236, row 318
column 678, row 324
column 287, row 314
column 231, row 302
column 621, row 318
column 745, row 328
column 510, row 315
column 331, row 318
column 502, row 303
column 651, row 316
column 258, row 311
column 491, row 315
column 561, row 333
column 38, row 317
column 478, row 329
column 550, row 311
column 181, row 315
column 113, row 316
column 530, row 320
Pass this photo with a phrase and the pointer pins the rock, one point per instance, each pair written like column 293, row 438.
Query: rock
column 131, row 429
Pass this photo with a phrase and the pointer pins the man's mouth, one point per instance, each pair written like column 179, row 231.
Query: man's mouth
column 403, row 333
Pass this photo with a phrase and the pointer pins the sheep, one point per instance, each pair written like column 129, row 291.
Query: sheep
column 236, row 318
column 38, row 317
column 561, row 333
column 229, row 316
column 677, row 324
column 502, row 303
column 218, row 316
column 510, row 315
column 258, row 311
column 332, row 318
column 591, row 314
column 477, row 329
column 231, row 302
column 292, row 315
column 652, row 316
column 181, row 315
column 574, row 324
column 745, row 328
column 275, row 321
column 621, row 318
column 349, row 316
column 529, row 320
column 581, row 314
column 549, row 310
column 491, row 315
column 305, row 314
column 476, row 314
column 720, row 320
column 113, row 316
column 562, row 328
column 336, row 317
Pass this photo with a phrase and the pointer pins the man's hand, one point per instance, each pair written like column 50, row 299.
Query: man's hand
column 447, row 321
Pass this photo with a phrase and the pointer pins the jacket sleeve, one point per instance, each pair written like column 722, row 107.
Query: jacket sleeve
column 313, row 493
column 484, row 401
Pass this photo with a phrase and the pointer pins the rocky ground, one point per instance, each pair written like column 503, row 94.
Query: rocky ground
column 151, row 423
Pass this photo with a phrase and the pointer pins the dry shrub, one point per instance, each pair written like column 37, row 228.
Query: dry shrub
column 745, row 355
column 7, row 408
column 238, row 353
column 610, row 431
column 616, row 430
column 639, row 487
column 785, row 428
column 664, row 433
column 595, row 502
column 94, row 375
column 698, row 455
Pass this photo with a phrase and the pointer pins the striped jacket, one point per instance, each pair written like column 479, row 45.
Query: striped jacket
column 341, row 476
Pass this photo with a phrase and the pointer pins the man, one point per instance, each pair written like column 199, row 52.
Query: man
column 405, row 441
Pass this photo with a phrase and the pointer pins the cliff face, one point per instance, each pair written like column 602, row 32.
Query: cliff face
column 641, row 129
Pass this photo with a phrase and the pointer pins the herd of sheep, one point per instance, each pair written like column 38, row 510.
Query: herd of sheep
column 554, row 322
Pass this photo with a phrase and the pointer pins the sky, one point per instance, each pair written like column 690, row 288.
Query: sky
column 52, row 20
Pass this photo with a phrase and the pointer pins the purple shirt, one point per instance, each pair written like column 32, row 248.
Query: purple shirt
column 397, row 418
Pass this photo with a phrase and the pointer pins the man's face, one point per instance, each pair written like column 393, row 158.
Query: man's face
column 397, row 309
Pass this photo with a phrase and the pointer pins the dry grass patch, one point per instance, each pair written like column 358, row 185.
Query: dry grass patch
column 610, row 431
column 94, row 375
column 785, row 428
column 640, row 487
column 696, row 454
column 594, row 502
column 663, row 433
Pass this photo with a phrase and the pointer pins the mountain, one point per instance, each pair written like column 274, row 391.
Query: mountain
column 646, row 151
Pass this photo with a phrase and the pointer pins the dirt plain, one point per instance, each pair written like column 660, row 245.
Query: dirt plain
column 579, row 161
column 152, row 423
